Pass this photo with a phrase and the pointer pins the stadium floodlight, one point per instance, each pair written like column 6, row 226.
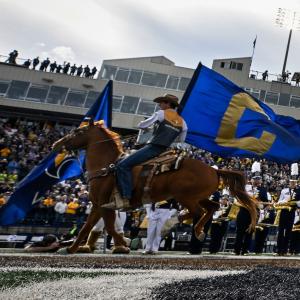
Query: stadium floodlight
column 287, row 18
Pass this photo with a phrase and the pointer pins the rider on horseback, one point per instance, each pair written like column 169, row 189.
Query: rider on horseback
column 168, row 126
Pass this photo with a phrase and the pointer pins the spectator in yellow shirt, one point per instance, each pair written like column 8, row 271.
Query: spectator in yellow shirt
column 5, row 152
column 72, row 206
column 2, row 200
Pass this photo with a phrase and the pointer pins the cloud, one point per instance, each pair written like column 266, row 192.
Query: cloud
column 40, row 44
column 60, row 54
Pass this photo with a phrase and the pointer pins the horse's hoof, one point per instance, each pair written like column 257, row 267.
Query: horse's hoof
column 120, row 250
column 63, row 251
column 201, row 236
column 84, row 249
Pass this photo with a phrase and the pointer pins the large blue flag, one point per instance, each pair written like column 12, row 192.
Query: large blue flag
column 224, row 119
column 54, row 168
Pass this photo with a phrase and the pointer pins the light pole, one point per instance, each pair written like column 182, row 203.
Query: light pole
column 291, row 20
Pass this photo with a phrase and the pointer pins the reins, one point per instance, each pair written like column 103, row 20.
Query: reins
column 113, row 138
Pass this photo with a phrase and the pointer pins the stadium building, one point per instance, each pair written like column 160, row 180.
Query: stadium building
column 137, row 81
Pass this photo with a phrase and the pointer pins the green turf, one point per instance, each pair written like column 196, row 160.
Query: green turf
column 22, row 277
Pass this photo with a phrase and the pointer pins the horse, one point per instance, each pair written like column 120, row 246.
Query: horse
column 191, row 185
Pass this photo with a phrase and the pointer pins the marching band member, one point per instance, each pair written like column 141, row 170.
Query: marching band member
column 158, row 214
column 266, row 216
column 219, row 224
column 243, row 220
column 286, row 206
column 295, row 238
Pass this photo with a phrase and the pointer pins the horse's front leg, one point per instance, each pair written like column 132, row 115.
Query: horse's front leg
column 92, row 219
column 120, row 245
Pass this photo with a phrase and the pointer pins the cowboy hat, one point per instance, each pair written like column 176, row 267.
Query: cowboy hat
column 167, row 98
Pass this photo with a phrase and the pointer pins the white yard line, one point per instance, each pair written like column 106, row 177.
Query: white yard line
column 137, row 285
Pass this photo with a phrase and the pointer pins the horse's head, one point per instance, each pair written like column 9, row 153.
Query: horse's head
column 89, row 133
column 77, row 139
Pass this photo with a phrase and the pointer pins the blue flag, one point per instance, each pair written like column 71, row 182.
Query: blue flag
column 54, row 168
column 224, row 119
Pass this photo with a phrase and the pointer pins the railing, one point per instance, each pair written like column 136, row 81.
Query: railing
column 20, row 63
column 271, row 77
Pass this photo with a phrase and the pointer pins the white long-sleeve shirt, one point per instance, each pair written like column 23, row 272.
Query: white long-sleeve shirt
column 160, row 116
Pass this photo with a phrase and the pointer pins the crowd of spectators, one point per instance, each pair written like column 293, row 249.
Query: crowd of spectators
column 47, row 66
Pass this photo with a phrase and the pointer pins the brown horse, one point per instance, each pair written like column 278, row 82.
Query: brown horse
column 191, row 185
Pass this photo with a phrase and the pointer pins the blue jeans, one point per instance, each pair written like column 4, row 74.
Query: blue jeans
column 124, row 167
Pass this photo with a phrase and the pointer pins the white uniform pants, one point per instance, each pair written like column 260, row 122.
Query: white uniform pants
column 119, row 223
column 156, row 220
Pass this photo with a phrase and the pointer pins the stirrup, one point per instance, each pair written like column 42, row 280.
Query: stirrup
column 117, row 202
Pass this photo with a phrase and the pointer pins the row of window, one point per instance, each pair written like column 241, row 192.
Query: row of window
column 231, row 65
column 275, row 98
column 23, row 90
column 134, row 105
column 145, row 78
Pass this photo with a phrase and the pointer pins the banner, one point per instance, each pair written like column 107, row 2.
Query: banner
column 224, row 119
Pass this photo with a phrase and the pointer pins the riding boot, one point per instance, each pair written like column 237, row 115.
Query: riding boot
column 117, row 202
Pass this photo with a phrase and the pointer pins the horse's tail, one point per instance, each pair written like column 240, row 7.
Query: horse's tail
column 236, row 182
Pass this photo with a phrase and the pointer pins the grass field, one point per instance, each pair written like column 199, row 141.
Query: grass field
column 136, row 277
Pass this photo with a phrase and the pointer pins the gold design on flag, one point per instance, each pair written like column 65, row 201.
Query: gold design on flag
column 227, row 131
column 60, row 157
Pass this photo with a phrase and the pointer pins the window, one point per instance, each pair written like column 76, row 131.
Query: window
column 18, row 89
column 122, row 75
column 239, row 66
column 295, row 101
column 184, row 82
column 37, row 92
column 91, row 98
column 57, row 95
column 135, row 76
column 109, row 72
column 225, row 65
column 154, row 79
column 272, row 98
column 146, row 107
column 236, row 66
column 232, row 65
column 255, row 93
column 129, row 104
column 284, row 99
column 117, row 101
column 3, row 87
column 172, row 83
column 75, row 98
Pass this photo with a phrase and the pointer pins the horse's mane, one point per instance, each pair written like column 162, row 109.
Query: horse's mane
column 115, row 137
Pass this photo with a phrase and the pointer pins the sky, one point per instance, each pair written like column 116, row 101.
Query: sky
column 184, row 31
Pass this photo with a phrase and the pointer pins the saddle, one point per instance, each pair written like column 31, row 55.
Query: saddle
column 165, row 162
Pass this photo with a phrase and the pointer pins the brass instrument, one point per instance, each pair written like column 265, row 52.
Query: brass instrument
column 261, row 226
column 233, row 212
column 220, row 220
column 286, row 205
column 296, row 228
column 289, row 205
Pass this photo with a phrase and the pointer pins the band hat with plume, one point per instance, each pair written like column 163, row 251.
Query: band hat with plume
column 294, row 169
column 256, row 167
column 167, row 98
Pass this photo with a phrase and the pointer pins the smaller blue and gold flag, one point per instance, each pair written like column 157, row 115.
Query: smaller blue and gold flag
column 54, row 168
